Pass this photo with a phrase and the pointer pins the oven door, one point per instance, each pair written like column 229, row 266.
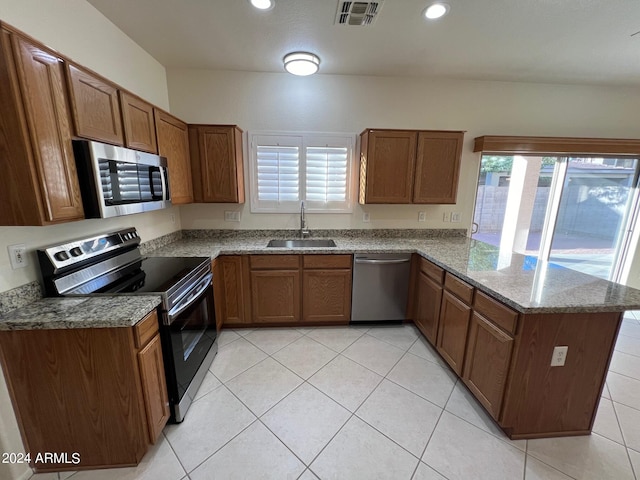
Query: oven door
column 189, row 336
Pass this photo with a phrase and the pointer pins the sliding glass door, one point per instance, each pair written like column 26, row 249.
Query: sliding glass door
column 574, row 211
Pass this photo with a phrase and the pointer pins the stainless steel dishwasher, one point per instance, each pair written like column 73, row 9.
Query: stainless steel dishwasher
column 380, row 286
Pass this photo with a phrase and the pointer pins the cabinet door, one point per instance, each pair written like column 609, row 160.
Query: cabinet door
column 327, row 295
column 95, row 106
column 139, row 127
column 428, row 307
column 229, row 290
column 275, row 296
column 387, row 166
column 43, row 91
column 487, row 363
column 452, row 331
column 154, row 387
column 173, row 143
column 217, row 167
column 437, row 167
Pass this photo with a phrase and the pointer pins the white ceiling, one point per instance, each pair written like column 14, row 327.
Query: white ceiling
column 553, row 41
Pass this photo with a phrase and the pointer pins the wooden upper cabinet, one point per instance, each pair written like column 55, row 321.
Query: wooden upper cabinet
column 409, row 166
column 95, row 106
column 173, row 143
column 40, row 184
column 437, row 167
column 216, row 163
column 387, row 162
column 139, row 126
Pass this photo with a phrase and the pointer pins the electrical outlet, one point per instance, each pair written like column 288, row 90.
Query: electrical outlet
column 559, row 356
column 18, row 255
column 230, row 216
column 422, row 216
column 366, row 218
column 446, row 217
column 455, row 217
column 172, row 217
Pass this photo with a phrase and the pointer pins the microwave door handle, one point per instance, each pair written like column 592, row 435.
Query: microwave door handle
column 151, row 189
column 164, row 178
column 188, row 300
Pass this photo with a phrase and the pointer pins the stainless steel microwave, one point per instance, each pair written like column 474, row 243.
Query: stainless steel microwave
column 118, row 181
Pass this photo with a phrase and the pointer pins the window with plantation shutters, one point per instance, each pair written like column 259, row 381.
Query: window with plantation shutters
column 289, row 169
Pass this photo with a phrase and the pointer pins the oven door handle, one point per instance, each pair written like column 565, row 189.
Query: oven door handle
column 191, row 298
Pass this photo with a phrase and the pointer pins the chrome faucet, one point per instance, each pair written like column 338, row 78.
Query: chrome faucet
column 304, row 232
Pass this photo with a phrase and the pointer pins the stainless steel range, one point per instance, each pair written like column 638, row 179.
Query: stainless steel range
column 112, row 264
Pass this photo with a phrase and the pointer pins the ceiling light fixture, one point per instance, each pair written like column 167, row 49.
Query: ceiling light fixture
column 436, row 10
column 263, row 4
column 301, row 63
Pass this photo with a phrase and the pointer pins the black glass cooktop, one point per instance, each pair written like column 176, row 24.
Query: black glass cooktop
column 157, row 274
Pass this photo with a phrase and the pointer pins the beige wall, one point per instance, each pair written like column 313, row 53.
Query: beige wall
column 76, row 29
column 333, row 103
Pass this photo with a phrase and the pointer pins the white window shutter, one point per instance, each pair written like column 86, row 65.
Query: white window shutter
column 278, row 173
column 288, row 169
column 326, row 179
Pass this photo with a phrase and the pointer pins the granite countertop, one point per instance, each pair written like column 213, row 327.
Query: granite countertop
column 520, row 281
column 80, row 312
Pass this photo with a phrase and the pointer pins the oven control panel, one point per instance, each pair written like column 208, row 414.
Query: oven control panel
column 70, row 253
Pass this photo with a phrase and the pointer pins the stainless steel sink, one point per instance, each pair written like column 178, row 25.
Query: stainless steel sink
column 302, row 243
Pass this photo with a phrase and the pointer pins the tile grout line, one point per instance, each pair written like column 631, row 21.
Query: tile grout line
column 176, row 454
column 624, row 440
column 432, row 433
column 352, row 413
column 228, row 441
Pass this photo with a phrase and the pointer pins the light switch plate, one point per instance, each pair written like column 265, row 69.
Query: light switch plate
column 455, row 217
column 422, row 216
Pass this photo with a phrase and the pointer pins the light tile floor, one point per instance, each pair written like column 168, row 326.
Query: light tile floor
column 372, row 403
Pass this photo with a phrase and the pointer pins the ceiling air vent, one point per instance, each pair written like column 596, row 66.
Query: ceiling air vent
column 357, row 13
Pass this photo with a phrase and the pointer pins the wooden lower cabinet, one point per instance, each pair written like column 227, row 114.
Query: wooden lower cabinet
column 275, row 296
column 154, row 387
column 96, row 392
column 487, row 362
column 232, row 298
column 427, row 307
column 452, row 332
column 327, row 296
column 282, row 289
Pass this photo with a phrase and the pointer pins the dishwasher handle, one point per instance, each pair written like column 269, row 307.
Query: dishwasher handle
column 390, row 261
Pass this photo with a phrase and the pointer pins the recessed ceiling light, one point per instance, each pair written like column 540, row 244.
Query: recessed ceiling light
column 262, row 4
column 301, row 63
column 436, row 10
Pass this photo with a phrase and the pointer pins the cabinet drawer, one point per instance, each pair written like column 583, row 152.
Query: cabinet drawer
column 461, row 289
column 326, row 261
column 275, row 261
column 495, row 311
column 431, row 270
column 146, row 328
